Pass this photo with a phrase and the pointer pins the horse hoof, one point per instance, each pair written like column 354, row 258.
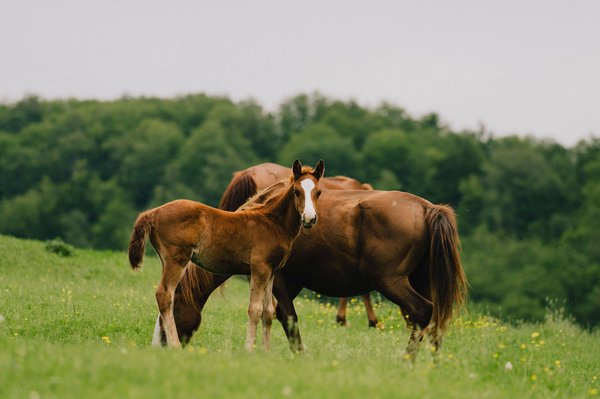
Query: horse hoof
column 340, row 320
column 373, row 323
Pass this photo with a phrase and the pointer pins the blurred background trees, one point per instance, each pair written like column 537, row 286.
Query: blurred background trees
column 528, row 209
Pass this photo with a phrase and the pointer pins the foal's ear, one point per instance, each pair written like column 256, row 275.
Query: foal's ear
column 297, row 169
column 319, row 169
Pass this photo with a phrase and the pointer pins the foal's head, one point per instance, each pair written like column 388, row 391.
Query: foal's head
column 306, row 191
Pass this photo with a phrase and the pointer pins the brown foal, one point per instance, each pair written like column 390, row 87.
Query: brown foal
column 247, row 182
column 255, row 241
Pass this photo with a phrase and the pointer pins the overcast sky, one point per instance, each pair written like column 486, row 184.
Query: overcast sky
column 515, row 66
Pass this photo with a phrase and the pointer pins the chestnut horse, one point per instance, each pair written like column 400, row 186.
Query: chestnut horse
column 248, row 182
column 256, row 241
column 393, row 242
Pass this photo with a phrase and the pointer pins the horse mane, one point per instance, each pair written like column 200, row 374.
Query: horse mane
column 269, row 194
column 264, row 196
column 241, row 187
column 194, row 281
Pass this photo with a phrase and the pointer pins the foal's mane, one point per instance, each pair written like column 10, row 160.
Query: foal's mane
column 264, row 196
column 268, row 195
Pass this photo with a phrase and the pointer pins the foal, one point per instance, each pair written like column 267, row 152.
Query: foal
column 257, row 242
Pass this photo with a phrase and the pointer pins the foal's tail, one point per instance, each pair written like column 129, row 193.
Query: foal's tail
column 446, row 276
column 137, row 242
column 241, row 188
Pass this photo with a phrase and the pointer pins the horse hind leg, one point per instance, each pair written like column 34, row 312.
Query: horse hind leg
column 269, row 304
column 173, row 270
column 340, row 318
column 416, row 336
column 259, row 282
column 416, row 309
column 369, row 309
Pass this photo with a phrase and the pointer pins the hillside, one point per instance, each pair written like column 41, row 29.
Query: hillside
column 80, row 326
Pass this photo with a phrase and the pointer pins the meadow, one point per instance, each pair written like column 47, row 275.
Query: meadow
column 81, row 326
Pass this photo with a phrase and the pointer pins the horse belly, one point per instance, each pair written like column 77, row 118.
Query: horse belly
column 327, row 276
column 221, row 266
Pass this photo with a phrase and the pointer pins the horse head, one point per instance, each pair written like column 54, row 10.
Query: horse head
column 306, row 190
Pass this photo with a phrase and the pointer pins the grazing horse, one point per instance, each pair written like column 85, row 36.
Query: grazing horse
column 396, row 243
column 249, row 181
column 256, row 241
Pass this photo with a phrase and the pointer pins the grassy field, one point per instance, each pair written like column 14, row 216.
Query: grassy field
column 81, row 326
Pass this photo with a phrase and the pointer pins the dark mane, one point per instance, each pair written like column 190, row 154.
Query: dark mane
column 242, row 187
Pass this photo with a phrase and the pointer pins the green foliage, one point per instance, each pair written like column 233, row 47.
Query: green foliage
column 322, row 142
column 59, row 247
column 527, row 209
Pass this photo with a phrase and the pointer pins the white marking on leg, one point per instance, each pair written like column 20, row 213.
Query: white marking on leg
column 309, row 213
column 156, row 336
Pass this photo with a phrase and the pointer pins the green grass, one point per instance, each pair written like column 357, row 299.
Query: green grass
column 81, row 327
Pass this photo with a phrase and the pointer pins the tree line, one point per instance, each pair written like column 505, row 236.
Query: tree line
column 528, row 209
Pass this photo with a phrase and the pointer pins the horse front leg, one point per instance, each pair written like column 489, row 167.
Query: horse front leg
column 158, row 333
column 259, row 281
column 370, row 312
column 285, row 290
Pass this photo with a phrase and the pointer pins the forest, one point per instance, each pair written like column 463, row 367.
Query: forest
column 528, row 209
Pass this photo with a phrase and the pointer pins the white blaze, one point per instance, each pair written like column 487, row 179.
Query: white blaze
column 309, row 208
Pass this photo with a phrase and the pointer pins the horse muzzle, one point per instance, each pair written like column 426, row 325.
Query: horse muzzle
column 309, row 222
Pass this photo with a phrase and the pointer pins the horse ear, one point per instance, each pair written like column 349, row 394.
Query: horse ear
column 319, row 169
column 297, row 169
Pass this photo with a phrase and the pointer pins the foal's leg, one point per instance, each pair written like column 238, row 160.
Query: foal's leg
column 269, row 304
column 259, row 281
column 340, row 318
column 172, row 272
column 370, row 312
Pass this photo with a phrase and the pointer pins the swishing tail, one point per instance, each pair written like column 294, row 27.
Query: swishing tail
column 237, row 193
column 137, row 242
column 446, row 275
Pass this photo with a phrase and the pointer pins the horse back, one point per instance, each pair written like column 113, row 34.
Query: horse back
column 360, row 234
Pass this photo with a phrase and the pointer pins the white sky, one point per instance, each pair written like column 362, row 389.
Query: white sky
column 516, row 66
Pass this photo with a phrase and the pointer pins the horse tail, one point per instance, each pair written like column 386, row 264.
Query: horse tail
column 241, row 188
column 137, row 242
column 447, row 279
column 194, row 281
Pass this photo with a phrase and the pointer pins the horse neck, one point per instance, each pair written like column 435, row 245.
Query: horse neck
column 283, row 211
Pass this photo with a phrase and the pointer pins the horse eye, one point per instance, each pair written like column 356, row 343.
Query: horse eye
column 318, row 193
column 296, row 192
